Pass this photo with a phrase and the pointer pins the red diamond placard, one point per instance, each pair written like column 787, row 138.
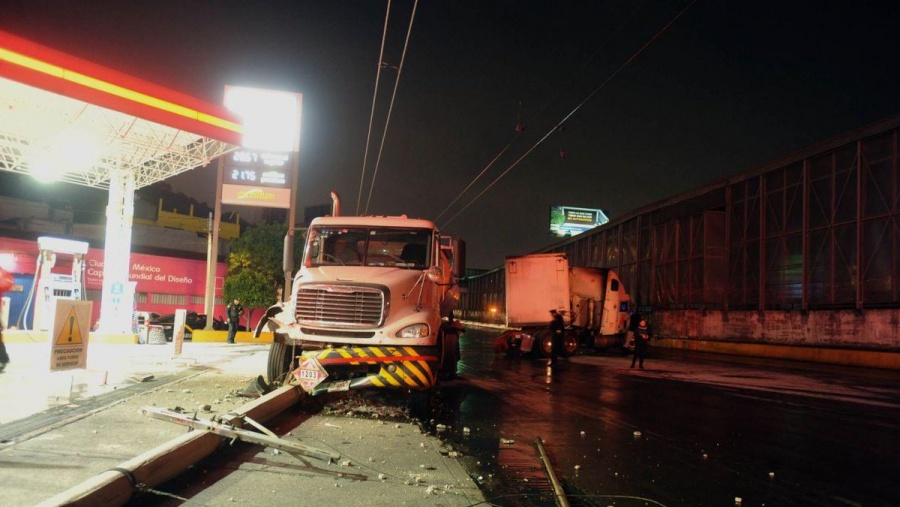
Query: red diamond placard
column 310, row 373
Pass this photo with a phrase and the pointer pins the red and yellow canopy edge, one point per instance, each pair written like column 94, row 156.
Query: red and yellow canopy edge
column 54, row 71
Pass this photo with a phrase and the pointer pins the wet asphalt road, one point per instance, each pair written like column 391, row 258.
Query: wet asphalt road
column 690, row 430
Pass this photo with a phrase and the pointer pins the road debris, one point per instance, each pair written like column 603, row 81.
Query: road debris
column 229, row 430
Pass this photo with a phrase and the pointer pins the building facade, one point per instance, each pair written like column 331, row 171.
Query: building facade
column 803, row 251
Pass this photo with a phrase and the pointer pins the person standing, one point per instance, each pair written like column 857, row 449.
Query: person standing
column 642, row 335
column 633, row 322
column 6, row 283
column 557, row 328
column 234, row 313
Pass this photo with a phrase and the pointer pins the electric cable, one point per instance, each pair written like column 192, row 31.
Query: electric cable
column 391, row 107
column 573, row 111
column 362, row 176
column 542, row 108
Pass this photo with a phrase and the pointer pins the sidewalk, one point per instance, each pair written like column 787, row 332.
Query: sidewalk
column 382, row 462
column 27, row 386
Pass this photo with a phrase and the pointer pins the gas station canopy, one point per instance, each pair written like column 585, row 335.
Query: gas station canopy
column 78, row 122
column 66, row 119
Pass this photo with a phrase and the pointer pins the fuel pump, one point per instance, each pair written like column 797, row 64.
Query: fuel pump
column 48, row 285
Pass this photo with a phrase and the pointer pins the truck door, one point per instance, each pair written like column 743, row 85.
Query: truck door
column 615, row 313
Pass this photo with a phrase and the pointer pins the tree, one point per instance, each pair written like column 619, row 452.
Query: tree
column 253, row 289
column 255, row 266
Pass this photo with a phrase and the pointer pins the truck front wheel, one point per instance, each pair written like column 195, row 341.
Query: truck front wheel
column 281, row 355
column 449, row 347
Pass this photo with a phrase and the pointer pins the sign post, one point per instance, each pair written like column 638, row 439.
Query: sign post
column 178, row 330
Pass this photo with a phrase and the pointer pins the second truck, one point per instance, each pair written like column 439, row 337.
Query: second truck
column 593, row 302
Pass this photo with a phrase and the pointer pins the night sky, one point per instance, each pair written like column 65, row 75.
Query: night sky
column 728, row 86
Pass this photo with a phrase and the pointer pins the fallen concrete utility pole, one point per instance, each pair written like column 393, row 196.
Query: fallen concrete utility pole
column 561, row 499
column 116, row 486
column 233, row 431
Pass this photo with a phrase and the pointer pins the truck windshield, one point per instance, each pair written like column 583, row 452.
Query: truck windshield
column 363, row 246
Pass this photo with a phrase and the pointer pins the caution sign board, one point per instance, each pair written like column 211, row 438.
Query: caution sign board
column 69, row 334
column 310, row 373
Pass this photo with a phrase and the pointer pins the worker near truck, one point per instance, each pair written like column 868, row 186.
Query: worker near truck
column 557, row 328
column 642, row 335
column 234, row 312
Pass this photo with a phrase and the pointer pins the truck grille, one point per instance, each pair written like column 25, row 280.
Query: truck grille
column 340, row 305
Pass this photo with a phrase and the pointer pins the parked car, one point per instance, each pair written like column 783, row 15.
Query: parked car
column 192, row 320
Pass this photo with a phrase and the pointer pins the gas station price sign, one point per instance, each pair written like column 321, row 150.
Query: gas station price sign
column 258, row 178
column 263, row 168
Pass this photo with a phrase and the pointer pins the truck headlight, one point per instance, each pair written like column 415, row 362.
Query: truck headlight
column 414, row 331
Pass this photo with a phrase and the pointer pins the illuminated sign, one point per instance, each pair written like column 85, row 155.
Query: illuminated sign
column 260, row 173
column 245, row 195
column 569, row 221
column 258, row 168
column 271, row 119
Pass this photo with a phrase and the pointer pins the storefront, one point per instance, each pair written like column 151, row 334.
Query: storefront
column 162, row 284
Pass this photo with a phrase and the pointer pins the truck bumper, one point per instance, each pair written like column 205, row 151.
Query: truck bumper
column 350, row 368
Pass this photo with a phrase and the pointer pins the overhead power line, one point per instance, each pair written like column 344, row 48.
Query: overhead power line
column 362, row 176
column 520, row 127
column 573, row 111
column 391, row 107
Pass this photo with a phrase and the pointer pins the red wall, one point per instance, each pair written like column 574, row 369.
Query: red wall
column 154, row 274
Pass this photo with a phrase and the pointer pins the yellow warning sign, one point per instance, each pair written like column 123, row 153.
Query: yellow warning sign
column 70, row 332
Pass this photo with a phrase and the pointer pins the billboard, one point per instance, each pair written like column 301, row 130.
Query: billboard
column 569, row 221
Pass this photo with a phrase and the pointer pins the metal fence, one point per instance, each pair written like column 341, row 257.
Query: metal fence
column 815, row 230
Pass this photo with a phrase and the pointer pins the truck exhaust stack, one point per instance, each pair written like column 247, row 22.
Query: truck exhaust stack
column 335, row 204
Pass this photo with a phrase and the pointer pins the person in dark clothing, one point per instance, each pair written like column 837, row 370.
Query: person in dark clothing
column 634, row 320
column 642, row 335
column 6, row 283
column 234, row 313
column 557, row 328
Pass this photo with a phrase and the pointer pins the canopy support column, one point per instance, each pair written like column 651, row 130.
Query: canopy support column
column 117, row 304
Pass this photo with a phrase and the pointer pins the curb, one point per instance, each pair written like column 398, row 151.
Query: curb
column 116, row 485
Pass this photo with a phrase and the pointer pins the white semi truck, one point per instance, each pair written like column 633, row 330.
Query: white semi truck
column 370, row 306
column 593, row 302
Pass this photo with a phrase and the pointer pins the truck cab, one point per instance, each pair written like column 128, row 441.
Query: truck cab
column 367, row 307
